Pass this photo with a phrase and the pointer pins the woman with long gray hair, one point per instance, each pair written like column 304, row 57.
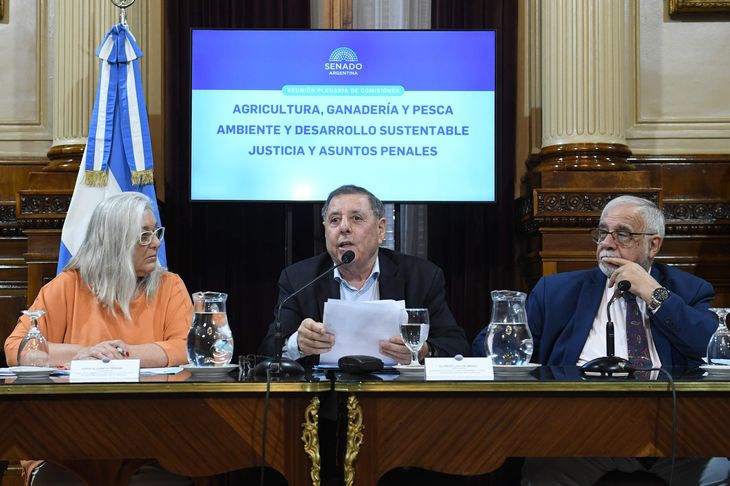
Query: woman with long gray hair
column 112, row 301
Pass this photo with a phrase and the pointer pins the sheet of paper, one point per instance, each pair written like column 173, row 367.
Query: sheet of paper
column 168, row 370
column 6, row 373
column 101, row 371
column 358, row 327
column 464, row 369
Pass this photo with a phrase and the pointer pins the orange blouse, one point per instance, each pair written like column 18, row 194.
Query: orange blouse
column 74, row 316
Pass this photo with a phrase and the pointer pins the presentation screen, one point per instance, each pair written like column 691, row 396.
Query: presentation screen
column 289, row 115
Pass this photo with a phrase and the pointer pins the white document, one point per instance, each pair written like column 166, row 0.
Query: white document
column 464, row 369
column 358, row 327
column 6, row 373
column 103, row 371
column 168, row 370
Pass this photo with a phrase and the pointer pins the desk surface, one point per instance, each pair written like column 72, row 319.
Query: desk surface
column 191, row 428
column 546, row 379
column 470, row 428
column 202, row 428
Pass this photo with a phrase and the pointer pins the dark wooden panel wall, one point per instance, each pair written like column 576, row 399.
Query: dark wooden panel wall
column 24, row 212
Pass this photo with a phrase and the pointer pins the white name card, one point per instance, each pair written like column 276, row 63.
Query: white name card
column 459, row 369
column 101, row 371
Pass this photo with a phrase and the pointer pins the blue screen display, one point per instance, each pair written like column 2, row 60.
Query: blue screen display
column 284, row 115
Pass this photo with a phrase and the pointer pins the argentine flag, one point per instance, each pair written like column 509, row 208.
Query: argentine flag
column 118, row 153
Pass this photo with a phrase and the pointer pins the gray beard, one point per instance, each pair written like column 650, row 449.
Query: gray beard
column 607, row 269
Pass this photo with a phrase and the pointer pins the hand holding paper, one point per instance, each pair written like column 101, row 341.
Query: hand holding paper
column 313, row 337
column 358, row 328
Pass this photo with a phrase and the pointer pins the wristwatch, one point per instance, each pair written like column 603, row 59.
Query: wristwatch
column 658, row 297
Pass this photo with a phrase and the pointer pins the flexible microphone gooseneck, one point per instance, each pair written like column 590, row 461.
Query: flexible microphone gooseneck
column 279, row 366
column 623, row 286
column 609, row 364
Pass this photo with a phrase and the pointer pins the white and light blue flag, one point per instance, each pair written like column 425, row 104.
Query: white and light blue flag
column 118, row 153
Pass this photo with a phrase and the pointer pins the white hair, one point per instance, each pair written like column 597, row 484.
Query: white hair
column 105, row 260
column 652, row 216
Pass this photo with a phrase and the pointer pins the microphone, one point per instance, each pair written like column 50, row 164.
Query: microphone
column 279, row 366
column 609, row 364
column 621, row 287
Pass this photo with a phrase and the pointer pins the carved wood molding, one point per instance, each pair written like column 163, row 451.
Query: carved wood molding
column 310, row 438
column 708, row 212
column 355, row 438
column 13, row 285
column 573, row 207
column 7, row 212
column 42, row 210
column 41, row 223
column 584, row 156
column 571, row 201
column 8, row 222
column 37, row 204
column 582, row 209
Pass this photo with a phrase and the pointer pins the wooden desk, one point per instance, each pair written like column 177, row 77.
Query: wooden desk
column 470, row 428
column 191, row 428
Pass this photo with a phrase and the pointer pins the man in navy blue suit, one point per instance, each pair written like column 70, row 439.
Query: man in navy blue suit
column 672, row 326
column 567, row 311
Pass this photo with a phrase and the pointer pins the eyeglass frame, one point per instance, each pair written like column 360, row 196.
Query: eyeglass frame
column 158, row 233
column 595, row 236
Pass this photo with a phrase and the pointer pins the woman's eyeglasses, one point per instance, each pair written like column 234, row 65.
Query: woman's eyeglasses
column 145, row 237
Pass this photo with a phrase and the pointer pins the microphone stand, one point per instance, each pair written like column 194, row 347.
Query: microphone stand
column 610, row 364
column 279, row 367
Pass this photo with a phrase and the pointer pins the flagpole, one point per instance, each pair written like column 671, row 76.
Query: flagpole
column 123, row 4
column 118, row 153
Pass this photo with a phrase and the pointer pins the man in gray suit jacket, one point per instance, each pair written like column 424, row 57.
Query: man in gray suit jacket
column 354, row 220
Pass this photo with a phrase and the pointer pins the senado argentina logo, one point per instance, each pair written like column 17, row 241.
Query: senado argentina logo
column 343, row 61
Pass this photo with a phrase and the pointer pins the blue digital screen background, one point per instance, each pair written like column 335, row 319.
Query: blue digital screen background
column 283, row 115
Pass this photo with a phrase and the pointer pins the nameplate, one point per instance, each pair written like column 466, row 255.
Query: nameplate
column 459, row 369
column 103, row 371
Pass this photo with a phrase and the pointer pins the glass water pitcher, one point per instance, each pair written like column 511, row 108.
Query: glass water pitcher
column 509, row 340
column 210, row 342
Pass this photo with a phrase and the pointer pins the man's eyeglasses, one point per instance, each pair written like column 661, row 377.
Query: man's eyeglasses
column 145, row 237
column 623, row 238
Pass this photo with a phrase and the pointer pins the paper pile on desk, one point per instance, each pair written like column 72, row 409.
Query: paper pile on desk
column 358, row 327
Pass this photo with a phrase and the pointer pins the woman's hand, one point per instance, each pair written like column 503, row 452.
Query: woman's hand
column 113, row 349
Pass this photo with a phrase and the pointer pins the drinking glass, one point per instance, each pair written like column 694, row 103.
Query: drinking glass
column 718, row 349
column 33, row 350
column 414, row 331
